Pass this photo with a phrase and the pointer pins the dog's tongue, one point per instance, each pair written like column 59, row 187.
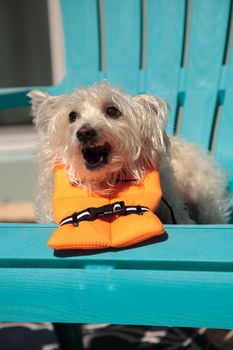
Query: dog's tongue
column 92, row 156
column 95, row 155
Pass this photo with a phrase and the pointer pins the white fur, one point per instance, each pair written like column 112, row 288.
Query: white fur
column 191, row 181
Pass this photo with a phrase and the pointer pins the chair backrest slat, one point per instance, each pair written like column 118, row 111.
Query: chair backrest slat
column 224, row 144
column 207, row 45
column 81, row 33
column 123, row 43
column 224, row 140
column 166, row 21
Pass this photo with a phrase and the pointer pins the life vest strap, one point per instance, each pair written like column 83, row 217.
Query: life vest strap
column 93, row 213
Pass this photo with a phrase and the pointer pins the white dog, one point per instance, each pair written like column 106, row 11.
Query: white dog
column 102, row 134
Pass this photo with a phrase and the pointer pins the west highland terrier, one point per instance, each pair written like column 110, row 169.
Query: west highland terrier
column 102, row 134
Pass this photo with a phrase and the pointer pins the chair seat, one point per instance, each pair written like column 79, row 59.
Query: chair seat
column 186, row 280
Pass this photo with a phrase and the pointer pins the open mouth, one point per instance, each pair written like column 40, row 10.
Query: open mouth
column 96, row 156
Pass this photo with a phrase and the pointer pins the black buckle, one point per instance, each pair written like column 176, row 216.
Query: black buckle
column 139, row 210
column 106, row 210
column 119, row 207
column 75, row 221
column 94, row 213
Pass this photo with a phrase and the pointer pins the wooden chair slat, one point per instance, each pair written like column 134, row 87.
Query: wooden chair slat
column 158, row 284
column 207, row 44
column 123, row 43
column 24, row 244
column 81, row 36
column 224, row 139
column 223, row 152
column 164, row 51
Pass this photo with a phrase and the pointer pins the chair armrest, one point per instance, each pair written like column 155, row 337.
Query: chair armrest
column 186, row 280
column 17, row 97
column 13, row 98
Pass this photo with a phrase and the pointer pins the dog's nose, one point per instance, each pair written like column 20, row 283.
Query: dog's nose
column 85, row 134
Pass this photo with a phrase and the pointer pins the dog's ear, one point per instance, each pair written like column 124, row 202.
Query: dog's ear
column 41, row 107
column 154, row 106
column 37, row 97
column 154, row 120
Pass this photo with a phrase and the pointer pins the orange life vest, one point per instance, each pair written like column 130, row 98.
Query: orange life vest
column 92, row 221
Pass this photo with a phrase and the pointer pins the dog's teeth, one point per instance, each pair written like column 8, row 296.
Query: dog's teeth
column 96, row 157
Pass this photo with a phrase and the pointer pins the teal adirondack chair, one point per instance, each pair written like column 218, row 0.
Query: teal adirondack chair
column 177, row 49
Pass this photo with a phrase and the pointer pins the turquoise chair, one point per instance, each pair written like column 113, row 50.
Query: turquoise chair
column 177, row 49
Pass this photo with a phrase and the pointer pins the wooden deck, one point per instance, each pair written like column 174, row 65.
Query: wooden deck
column 17, row 212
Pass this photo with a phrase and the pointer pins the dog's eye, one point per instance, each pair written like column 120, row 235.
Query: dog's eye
column 73, row 116
column 113, row 112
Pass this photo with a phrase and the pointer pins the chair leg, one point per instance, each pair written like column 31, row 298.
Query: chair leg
column 69, row 336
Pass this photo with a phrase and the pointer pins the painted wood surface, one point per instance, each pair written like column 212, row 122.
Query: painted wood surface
column 123, row 43
column 206, row 50
column 164, row 52
column 186, row 280
column 224, row 143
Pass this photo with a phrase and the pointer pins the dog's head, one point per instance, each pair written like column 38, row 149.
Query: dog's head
column 101, row 132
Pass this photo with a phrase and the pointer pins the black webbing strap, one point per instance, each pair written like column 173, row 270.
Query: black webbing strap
column 171, row 211
column 90, row 214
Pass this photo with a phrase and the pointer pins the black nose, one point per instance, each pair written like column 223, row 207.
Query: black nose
column 85, row 134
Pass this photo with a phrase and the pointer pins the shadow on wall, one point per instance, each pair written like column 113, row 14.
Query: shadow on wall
column 25, row 49
column 25, row 58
